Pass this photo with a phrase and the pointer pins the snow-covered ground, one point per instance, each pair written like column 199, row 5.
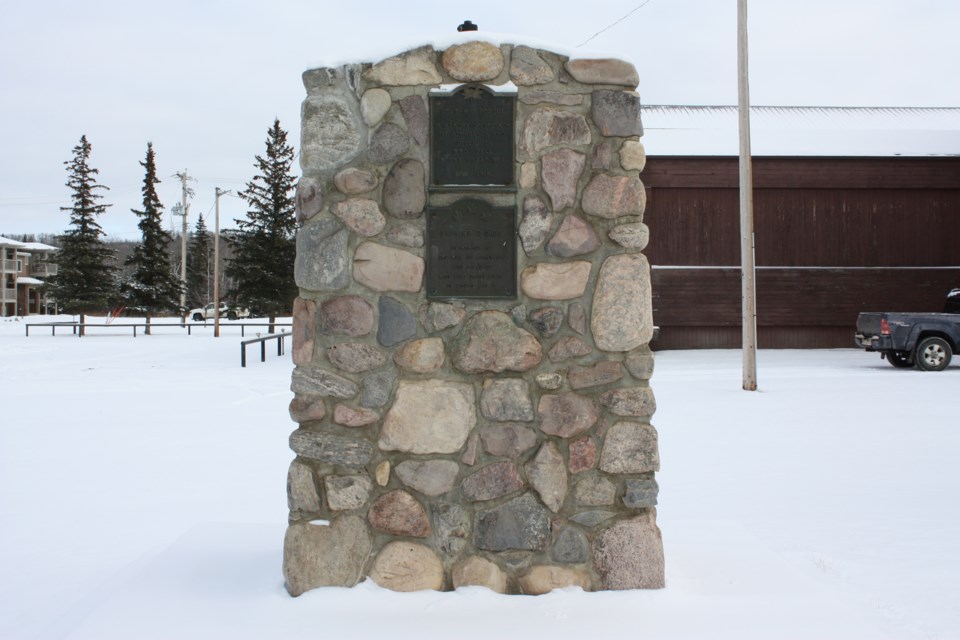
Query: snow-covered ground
column 142, row 495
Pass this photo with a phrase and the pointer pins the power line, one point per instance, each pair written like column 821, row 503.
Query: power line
column 635, row 9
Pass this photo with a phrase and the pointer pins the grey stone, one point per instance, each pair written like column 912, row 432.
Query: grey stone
column 437, row 316
column 555, row 281
column 374, row 105
column 432, row 416
column 506, row 400
column 491, row 343
column 599, row 373
column 383, row 268
column 622, row 317
column 304, row 330
column 539, row 96
column 547, row 127
column 602, row 155
column 331, row 449
column 377, row 388
column 314, row 381
column 302, row 495
column 309, row 198
column 527, row 68
column 547, row 474
column 322, row 261
column 550, row 381
column 592, row 518
column 346, row 316
column 404, row 195
column 406, row 235
column 535, row 224
column 347, row 492
column 323, row 78
column 518, row 314
column 616, row 113
column 469, row 456
column 331, row 133
column 407, row 566
column 362, row 216
column 640, row 363
column 420, row 356
column 475, row 61
column 633, row 235
column 629, row 555
column 491, row 482
column 355, row 357
column 415, row 67
column 399, row 513
column 429, row 477
column 641, row 492
column 546, row 320
column 350, row 417
column 574, row 238
column 451, row 525
column 629, row 447
column 633, row 157
column 595, row 491
column 415, row 115
column 577, row 317
column 560, row 170
column 568, row 347
column 542, row 579
column 507, row 440
column 325, row 556
column 521, row 523
column 354, row 181
column 603, row 71
column 396, row 324
column 582, row 455
column 567, row 414
column 388, row 143
column 479, row 572
column 570, row 547
column 630, row 401
column 307, row 409
column 608, row 196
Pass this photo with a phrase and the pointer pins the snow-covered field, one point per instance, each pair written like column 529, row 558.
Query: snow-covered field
column 142, row 495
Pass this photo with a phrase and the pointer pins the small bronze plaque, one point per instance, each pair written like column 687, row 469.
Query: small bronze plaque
column 471, row 251
column 471, row 138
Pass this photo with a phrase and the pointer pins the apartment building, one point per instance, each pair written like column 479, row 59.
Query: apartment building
column 23, row 270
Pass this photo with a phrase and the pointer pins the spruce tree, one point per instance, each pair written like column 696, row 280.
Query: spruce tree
column 200, row 266
column 85, row 280
column 264, row 247
column 152, row 287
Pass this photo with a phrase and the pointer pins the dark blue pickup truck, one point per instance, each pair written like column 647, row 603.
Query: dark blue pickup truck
column 925, row 340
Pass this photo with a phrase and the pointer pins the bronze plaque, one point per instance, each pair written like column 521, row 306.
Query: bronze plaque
column 471, row 251
column 471, row 138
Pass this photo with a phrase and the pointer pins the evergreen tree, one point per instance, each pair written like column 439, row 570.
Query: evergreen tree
column 152, row 287
column 264, row 247
column 200, row 266
column 85, row 282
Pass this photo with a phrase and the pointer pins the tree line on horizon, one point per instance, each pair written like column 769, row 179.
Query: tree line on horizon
column 261, row 251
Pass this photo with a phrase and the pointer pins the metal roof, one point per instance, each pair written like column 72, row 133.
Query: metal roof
column 680, row 130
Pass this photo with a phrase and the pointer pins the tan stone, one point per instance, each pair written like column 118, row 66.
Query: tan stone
column 547, row 127
column 382, row 474
column 473, row 61
column 384, row 268
column 548, row 476
column 528, row 68
column 630, row 447
column 528, row 175
column 431, row 416
column 420, row 356
column 407, row 566
column 350, row 417
column 629, row 555
column 362, row 216
column 479, row 572
column 633, row 157
column 608, row 196
column 543, row 579
column 633, row 235
column 491, row 343
column 345, row 493
column 622, row 315
column 604, row 71
column 414, row 67
column 374, row 105
column 325, row 555
column 354, row 181
column 556, row 281
column 307, row 409
column 561, row 170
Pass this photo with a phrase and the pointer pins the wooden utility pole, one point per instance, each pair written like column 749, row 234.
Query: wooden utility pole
column 185, row 192
column 747, row 266
column 216, row 265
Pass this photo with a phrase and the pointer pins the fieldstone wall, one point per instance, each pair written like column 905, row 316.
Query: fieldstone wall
column 504, row 443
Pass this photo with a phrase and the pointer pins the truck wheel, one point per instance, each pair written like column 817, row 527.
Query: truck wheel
column 933, row 354
column 197, row 317
column 899, row 359
column 231, row 315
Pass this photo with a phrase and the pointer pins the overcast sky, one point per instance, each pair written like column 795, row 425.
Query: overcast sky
column 204, row 80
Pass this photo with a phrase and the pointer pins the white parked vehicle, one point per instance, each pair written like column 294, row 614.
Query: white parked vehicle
column 226, row 311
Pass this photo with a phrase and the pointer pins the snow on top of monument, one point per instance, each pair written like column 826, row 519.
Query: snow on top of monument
column 389, row 48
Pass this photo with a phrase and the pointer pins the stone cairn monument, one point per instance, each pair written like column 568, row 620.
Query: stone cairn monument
column 471, row 334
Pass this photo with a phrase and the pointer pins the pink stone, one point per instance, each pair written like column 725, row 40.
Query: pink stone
column 574, row 238
column 583, row 455
column 304, row 330
column 350, row 417
column 400, row 514
column 560, row 171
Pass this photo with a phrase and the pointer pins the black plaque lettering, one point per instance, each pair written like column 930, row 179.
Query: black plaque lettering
column 471, row 251
column 471, row 138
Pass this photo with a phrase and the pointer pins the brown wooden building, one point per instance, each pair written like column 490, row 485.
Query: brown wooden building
column 834, row 236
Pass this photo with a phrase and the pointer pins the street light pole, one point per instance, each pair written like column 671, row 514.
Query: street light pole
column 748, row 268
